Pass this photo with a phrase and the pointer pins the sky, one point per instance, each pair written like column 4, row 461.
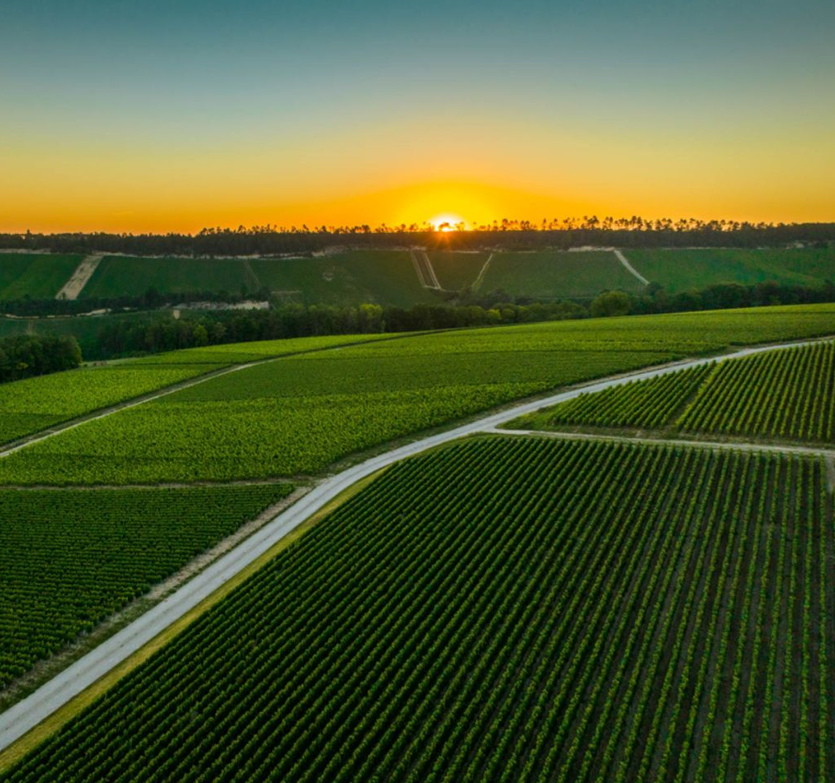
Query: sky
column 161, row 116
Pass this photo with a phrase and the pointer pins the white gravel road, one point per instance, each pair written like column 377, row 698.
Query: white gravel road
column 27, row 714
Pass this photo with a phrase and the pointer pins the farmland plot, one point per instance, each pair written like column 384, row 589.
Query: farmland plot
column 300, row 414
column 505, row 609
column 69, row 559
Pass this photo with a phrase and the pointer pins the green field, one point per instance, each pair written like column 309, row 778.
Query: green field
column 649, row 403
column 505, row 609
column 369, row 277
column 457, row 270
column 35, row 404
column 70, row 559
column 692, row 270
column 783, row 395
column 301, row 413
column 557, row 275
column 34, row 276
column 119, row 276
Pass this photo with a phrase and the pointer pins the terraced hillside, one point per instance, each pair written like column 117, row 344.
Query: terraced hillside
column 557, row 275
column 34, row 276
column 506, row 609
column 692, row 270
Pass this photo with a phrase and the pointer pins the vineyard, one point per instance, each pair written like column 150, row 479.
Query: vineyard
column 69, row 559
column 693, row 270
column 123, row 275
column 35, row 276
column 558, row 275
column 375, row 277
column 782, row 394
column 35, row 404
column 28, row 406
column 457, row 271
column 508, row 609
column 787, row 394
column 300, row 414
column 649, row 403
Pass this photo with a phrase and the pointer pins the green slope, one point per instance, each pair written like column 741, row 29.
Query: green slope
column 557, row 275
column 374, row 277
column 457, row 270
column 128, row 276
column 35, row 276
column 693, row 270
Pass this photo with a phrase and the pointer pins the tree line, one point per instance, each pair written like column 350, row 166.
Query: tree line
column 506, row 233
column 294, row 320
column 26, row 356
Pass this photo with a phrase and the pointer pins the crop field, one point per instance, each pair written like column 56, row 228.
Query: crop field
column 783, row 395
column 786, row 394
column 692, row 270
column 36, row 404
column 300, row 414
column 557, row 275
column 35, row 276
column 457, row 270
column 650, row 403
column 506, row 609
column 372, row 277
column 119, row 276
column 70, row 559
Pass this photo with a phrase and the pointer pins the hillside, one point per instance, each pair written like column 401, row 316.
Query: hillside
column 557, row 275
column 372, row 277
column 693, row 270
column 28, row 275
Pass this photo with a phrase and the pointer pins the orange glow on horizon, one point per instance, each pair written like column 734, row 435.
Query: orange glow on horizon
column 447, row 222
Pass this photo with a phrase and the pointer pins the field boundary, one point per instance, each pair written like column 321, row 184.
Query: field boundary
column 730, row 445
column 483, row 271
column 73, row 681
column 629, row 268
column 83, row 272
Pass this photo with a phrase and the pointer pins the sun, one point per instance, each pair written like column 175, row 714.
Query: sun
column 447, row 222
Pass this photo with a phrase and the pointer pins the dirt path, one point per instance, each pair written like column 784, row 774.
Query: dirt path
column 84, row 271
column 424, row 270
column 480, row 279
column 808, row 451
column 249, row 274
column 433, row 278
column 629, row 268
column 69, row 683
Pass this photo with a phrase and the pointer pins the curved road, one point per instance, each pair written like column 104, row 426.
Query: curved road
column 53, row 695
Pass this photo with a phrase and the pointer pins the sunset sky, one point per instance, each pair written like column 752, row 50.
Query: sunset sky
column 158, row 116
